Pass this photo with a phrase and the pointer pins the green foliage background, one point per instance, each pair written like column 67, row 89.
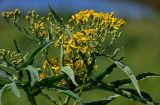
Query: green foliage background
column 140, row 41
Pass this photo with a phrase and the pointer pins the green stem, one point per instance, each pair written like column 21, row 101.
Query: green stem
column 30, row 96
column 60, row 99
column 66, row 100
column 82, row 87
column 32, row 100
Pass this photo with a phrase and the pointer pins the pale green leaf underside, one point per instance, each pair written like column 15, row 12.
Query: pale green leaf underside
column 68, row 70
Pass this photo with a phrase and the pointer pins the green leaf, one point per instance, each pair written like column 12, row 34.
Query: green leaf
column 15, row 89
column 103, row 101
column 146, row 97
column 5, row 74
column 28, row 36
column 106, row 72
column 37, row 51
column 60, row 21
column 34, row 76
column 71, row 94
column 48, row 82
column 129, row 73
column 69, row 71
column 3, row 64
column 2, row 90
column 16, row 46
column 139, row 77
column 129, row 93
column 57, row 17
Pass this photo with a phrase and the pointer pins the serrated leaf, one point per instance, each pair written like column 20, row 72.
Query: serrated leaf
column 71, row 94
column 37, row 51
column 5, row 74
column 139, row 77
column 104, row 101
column 33, row 74
column 15, row 89
column 69, row 71
column 129, row 73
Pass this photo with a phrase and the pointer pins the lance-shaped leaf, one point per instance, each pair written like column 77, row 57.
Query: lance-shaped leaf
column 26, row 33
column 13, row 88
column 104, row 101
column 37, row 51
column 139, row 77
column 60, row 21
column 16, row 46
column 108, row 71
column 48, row 82
column 33, row 74
column 69, row 71
column 129, row 93
column 129, row 73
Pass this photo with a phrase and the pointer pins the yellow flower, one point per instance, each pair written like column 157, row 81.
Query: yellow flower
column 78, row 64
column 42, row 76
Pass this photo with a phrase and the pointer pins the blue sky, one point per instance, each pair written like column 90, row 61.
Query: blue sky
column 129, row 9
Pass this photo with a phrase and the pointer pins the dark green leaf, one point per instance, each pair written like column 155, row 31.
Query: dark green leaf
column 139, row 77
column 33, row 74
column 37, row 51
column 28, row 36
column 129, row 93
column 68, row 70
column 148, row 99
column 129, row 73
column 57, row 17
column 48, row 82
column 104, row 101
column 16, row 46
column 60, row 21
column 108, row 71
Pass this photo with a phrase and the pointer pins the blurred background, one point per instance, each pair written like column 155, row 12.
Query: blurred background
column 140, row 39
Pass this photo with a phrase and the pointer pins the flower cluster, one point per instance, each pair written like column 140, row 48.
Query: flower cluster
column 12, row 16
column 88, row 30
column 15, row 58
column 96, row 19
column 37, row 25
column 42, row 26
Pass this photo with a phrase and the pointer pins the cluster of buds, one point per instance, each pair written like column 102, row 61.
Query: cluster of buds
column 36, row 24
column 15, row 58
column 11, row 17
